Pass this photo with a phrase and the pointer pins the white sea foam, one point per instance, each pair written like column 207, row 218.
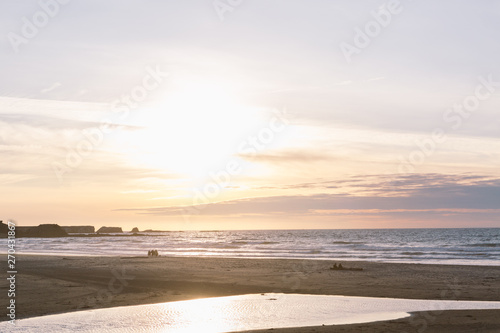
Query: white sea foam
column 238, row 313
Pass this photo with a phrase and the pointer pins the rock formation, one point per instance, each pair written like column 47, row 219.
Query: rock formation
column 109, row 230
column 4, row 229
column 79, row 229
column 43, row 230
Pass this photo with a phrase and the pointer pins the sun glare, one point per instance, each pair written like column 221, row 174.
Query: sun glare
column 194, row 129
column 201, row 315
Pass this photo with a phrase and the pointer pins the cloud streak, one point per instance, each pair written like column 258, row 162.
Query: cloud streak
column 407, row 196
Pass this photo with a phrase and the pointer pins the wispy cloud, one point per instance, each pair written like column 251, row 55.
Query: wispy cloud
column 435, row 194
column 56, row 123
column 287, row 156
column 52, row 87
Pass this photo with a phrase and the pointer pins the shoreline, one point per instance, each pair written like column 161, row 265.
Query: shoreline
column 354, row 261
column 452, row 321
column 59, row 284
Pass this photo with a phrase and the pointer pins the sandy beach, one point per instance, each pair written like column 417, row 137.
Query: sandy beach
column 57, row 284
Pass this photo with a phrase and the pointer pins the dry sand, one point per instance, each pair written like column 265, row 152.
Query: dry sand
column 56, row 284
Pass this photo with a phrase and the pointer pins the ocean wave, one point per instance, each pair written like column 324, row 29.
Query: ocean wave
column 485, row 245
column 346, row 242
column 413, row 253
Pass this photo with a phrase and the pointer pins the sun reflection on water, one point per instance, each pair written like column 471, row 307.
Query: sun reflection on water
column 202, row 315
column 237, row 313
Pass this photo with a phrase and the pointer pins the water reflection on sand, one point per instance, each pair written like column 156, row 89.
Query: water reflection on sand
column 238, row 313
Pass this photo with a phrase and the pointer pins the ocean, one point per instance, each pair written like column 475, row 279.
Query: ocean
column 432, row 246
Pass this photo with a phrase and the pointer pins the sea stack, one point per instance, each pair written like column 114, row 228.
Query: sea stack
column 4, row 229
column 110, row 230
column 79, row 229
column 43, row 230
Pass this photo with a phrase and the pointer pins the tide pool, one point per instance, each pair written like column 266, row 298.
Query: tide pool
column 238, row 313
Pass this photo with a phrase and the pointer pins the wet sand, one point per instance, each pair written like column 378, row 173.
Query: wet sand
column 430, row 322
column 56, row 284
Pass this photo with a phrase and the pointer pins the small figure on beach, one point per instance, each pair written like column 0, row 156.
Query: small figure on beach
column 342, row 268
column 153, row 253
column 335, row 267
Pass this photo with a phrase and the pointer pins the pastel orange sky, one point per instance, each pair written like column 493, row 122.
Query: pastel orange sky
column 267, row 115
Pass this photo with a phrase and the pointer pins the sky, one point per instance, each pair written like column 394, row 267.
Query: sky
column 234, row 114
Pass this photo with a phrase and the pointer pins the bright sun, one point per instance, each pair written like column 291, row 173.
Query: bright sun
column 196, row 128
